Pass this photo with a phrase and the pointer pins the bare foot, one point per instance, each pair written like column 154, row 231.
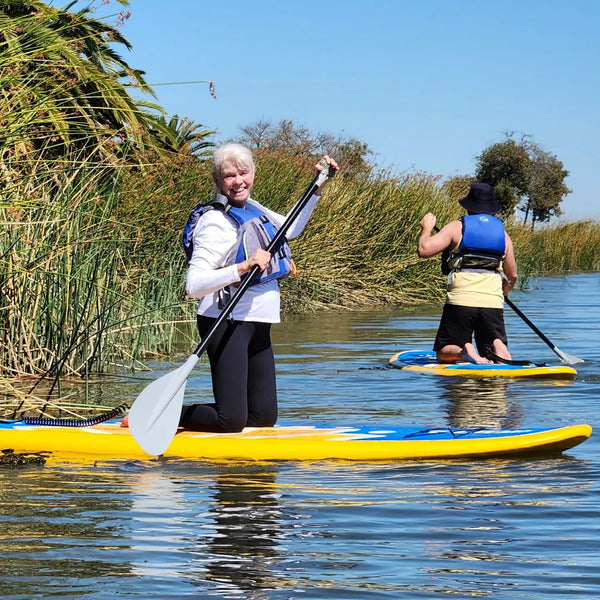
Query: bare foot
column 500, row 349
column 469, row 354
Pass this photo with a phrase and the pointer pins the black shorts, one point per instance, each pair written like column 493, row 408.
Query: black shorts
column 459, row 323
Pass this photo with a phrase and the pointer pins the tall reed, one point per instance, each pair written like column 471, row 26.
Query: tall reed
column 73, row 292
column 563, row 248
column 92, row 269
column 72, row 285
column 359, row 250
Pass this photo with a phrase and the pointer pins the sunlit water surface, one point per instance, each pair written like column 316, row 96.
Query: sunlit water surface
column 518, row 529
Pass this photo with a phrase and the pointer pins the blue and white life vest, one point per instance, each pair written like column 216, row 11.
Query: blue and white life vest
column 255, row 231
column 218, row 202
column 482, row 246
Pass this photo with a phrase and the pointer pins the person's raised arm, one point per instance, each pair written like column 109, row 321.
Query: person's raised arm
column 430, row 245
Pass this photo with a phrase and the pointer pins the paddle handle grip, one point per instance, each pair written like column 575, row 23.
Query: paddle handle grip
column 322, row 176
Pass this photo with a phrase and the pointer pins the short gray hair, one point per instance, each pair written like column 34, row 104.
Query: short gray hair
column 236, row 153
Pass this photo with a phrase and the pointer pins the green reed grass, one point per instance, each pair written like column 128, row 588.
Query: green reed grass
column 564, row 248
column 92, row 270
column 74, row 293
column 359, row 250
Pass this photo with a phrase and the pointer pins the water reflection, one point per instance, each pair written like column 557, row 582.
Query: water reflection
column 57, row 526
column 230, row 545
column 495, row 402
column 480, row 403
column 247, row 525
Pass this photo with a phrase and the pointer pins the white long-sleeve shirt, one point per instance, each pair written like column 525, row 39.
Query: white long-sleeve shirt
column 215, row 236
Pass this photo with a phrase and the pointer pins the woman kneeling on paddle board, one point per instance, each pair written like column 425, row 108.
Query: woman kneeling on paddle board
column 481, row 271
column 220, row 246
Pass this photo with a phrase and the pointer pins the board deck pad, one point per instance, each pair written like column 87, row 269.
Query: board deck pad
column 424, row 361
column 292, row 442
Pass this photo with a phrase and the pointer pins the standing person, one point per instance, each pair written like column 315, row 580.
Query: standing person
column 482, row 271
column 240, row 352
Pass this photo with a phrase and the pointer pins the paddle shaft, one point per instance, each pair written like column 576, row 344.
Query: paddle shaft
column 562, row 355
column 273, row 246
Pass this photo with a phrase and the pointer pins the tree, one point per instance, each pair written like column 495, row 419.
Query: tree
column 525, row 177
column 184, row 136
column 285, row 137
column 506, row 166
column 546, row 186
column 63, row 91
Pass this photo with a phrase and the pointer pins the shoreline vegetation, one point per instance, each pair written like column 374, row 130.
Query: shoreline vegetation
column 97, row 186
column 93, row 275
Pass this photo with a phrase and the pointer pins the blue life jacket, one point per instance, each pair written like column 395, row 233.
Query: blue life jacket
column 218, row 202
column 255, row 231
column 482, row 246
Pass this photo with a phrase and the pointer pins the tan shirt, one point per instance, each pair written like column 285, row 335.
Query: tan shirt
column 468, row 288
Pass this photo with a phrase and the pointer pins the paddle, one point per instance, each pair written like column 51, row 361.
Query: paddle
column 154, row 416
column 566, row 358
column 445, row 256
column 506, row 361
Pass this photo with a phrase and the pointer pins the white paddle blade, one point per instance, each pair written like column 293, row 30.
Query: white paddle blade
column 154, row 416
column 568, row 358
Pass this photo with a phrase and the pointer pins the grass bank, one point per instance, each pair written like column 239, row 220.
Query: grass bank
column 92, row 275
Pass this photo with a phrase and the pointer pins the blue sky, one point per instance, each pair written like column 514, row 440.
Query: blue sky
column 427, row 84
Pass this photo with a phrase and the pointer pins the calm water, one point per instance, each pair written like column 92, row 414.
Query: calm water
column 518, row 529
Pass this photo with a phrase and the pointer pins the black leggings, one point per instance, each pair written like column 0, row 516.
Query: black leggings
column 243, row 377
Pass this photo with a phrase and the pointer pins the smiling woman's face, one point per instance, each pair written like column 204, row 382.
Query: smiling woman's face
column 234, row 181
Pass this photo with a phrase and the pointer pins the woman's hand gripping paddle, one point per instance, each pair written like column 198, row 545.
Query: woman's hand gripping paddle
column 154, row 416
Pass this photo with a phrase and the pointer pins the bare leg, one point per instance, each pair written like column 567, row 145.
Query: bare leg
column 449, row 354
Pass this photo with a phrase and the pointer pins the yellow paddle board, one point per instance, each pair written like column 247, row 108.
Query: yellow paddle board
column 420, row 361
column 111, row 441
